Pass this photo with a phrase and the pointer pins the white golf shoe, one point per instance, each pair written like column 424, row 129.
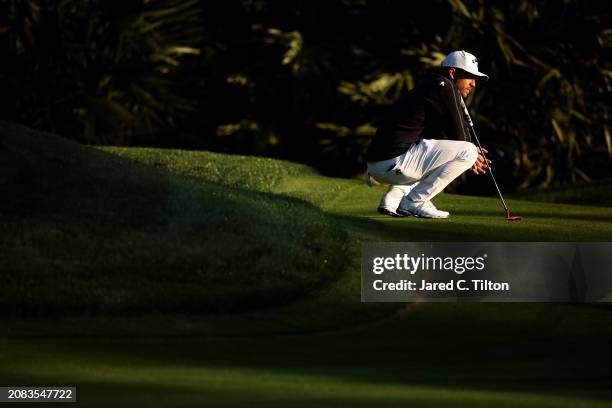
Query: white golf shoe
column 389, row 211
column 422, row 210
column 391, row 199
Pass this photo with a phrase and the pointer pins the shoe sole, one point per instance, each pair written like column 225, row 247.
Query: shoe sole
column 406, row 213
column 409, row 213
column 384, row 211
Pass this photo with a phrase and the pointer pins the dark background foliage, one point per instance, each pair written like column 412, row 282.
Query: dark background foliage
column 306, row 80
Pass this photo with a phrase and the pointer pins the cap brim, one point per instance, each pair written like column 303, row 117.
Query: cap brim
column 476, row 74
column 480, row 75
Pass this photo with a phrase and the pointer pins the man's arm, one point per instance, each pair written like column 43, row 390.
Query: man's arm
column 444, row 97
column 452, row 105
column 453, row 108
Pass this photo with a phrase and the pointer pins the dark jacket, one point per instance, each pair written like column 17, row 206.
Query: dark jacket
column 432, row 110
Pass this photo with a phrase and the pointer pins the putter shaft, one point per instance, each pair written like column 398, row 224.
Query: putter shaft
column 469, row 119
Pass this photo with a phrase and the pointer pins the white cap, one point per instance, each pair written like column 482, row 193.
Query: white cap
column 465, row 61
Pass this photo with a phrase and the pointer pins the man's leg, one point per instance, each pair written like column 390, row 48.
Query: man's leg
column 385, row 172
column 392, row 197
column 435, row 163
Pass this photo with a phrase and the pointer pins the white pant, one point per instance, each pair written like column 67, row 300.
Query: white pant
column 423, row 171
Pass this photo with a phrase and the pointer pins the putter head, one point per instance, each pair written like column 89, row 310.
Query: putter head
column 512, row 217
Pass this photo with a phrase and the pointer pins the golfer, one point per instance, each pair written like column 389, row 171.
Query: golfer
column 424, row 143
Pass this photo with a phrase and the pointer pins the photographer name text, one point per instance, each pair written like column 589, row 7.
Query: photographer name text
column 481, row 285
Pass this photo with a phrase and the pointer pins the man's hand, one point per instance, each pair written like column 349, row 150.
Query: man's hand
column 481, row 163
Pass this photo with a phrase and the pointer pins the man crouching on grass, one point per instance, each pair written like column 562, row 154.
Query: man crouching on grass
column 424, row 142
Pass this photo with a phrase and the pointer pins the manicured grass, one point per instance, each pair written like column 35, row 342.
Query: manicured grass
column 315, row 346
column 253, row 173
column 354, row 204
column 436, row 355
column 86, row 232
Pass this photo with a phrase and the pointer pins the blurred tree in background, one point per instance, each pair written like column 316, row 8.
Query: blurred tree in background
column 307, row 80
column 99, row 71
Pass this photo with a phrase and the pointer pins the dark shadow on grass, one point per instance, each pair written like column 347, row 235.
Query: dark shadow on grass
column 467, row 358
column 95, row 233
column 116, row 393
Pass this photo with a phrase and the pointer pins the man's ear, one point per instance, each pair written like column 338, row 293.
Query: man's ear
column 451, row 73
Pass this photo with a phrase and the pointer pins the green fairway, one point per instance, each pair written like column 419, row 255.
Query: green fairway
column 434, row 355
column 424, row 359
column 115, row 263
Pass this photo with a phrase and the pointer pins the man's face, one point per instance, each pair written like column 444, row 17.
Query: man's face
column 465, row 86
column 464, row 82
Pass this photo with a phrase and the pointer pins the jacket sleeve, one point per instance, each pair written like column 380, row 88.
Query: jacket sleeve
column 445, row 98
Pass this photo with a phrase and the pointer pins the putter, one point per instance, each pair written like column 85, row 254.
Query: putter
column 509, row 217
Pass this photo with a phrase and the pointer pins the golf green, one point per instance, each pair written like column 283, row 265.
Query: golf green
column 318, row 347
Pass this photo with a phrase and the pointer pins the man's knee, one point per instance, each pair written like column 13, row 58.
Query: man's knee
column 469, row 153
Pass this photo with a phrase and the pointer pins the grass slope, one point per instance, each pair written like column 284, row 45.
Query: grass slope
column 473, row 218
column 328, row 349
column 85, row 231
